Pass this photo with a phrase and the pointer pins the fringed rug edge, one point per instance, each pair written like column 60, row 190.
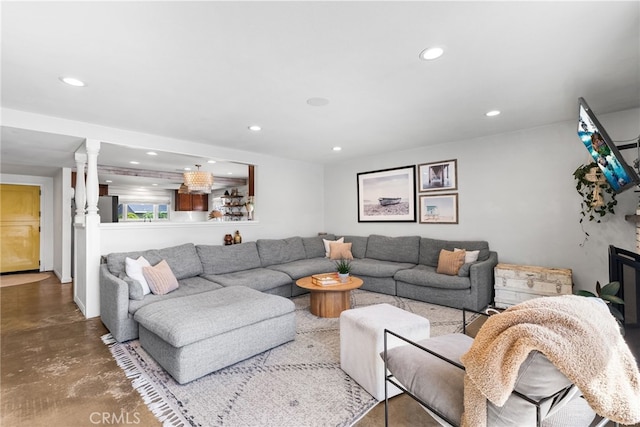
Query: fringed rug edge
column 152, row 396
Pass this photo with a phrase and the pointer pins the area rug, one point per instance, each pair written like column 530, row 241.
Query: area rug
column 296, row 384
column 22, row 278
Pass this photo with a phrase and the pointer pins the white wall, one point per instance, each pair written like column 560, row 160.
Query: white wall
column 47, row 242
column 62, row 219
column 515, row 190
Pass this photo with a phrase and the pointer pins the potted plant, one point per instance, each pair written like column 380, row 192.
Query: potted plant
column 598, row 198
column 608, row 293
column 343, row 267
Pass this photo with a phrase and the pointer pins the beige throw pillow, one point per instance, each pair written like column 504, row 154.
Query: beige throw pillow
column 160, row 278
column 327, row 248
column 450, row 262
column 340, row 251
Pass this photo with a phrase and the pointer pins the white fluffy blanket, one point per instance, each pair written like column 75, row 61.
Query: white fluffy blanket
column 577, row 334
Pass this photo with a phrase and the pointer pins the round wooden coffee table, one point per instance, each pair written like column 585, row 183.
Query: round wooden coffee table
column 330, row 300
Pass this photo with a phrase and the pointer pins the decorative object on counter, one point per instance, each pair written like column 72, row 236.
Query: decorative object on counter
column 228, row 239
column 237, row 238
column 234, row 192
column 198, row 181
column 249, row 207
column 226, row 193
column 183, row 189
column 215, row 214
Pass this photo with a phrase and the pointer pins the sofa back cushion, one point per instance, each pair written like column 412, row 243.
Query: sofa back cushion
column 396, row 249
column 183, row 260
column 359, row 245
column 280, row 251
column 219, row 259
column 314, row 246
column 430, row 249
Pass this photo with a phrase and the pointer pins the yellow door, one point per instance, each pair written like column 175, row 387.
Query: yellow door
column 19, row 227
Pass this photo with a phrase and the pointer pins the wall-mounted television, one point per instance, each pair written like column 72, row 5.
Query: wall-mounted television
column 618, row 173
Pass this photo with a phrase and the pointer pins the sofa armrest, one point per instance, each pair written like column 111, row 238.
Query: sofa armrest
column 114, row 301
column 481, row 277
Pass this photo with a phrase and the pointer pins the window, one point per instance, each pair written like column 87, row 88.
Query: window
column 143, row 211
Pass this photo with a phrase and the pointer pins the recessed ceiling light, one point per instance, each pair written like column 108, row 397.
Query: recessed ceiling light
column 492, row 113
column 229, row 173
column 431, row 53
column 152, row 153
column 255, row 128
column 317, row 102
column 337, row 148
column 72, row 81
column 187, row 169
column 133, row 162
column 211, row 161
column 108, row 180
column 155, row 185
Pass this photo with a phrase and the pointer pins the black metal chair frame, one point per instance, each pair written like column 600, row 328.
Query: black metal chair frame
column 389, row 378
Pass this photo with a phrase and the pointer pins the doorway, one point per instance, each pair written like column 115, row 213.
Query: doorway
column 19, row 228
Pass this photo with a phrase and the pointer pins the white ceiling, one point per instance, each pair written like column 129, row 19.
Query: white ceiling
column 205, row 71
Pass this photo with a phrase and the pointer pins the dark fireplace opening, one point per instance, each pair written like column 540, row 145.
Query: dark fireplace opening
column 624, row 267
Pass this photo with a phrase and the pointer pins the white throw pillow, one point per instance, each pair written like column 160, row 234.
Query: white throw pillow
column 469, row 256
column 133, row 268
column 327, row 247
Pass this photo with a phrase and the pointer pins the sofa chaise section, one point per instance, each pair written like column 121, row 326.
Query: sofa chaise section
column 198, row 334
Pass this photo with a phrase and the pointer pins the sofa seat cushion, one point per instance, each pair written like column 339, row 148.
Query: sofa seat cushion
column 430, row 249
column 189, row 286
column 183, row 260
column 280, row 251
column 305, row 267
column 261, row 279
column 396, row 249
column 377, row 268
column 431, row 378
column 423, row 275
column 210, row 314
column 219, row 259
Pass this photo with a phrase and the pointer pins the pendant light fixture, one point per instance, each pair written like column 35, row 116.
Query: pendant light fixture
column 198, row 182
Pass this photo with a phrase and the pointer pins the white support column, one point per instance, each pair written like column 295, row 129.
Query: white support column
column 93, row 149
column 80, row 195
column 87, row 286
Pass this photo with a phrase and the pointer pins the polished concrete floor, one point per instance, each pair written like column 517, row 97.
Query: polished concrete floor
column 55, row 370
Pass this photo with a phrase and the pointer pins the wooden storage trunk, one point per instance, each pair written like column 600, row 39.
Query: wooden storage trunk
column 517, row 283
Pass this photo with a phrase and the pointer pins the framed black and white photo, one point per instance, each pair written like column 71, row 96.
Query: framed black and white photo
column 439, row 209
column 438, row 176
column 387, row 195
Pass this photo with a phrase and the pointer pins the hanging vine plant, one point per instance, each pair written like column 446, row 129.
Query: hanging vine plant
column 598, row 198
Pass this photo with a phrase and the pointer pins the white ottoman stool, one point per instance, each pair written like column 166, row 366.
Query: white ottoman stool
column 362, row 341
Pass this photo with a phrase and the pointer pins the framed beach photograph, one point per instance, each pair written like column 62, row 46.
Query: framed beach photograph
column 387, row 195
column 439, row 209
column 439, row 176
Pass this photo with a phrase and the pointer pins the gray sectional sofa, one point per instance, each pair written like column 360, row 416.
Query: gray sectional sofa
column 403, row 266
